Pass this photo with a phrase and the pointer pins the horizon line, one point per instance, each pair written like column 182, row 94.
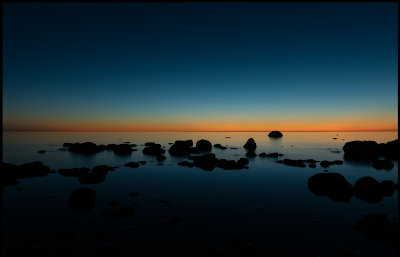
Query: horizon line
column 365, row 130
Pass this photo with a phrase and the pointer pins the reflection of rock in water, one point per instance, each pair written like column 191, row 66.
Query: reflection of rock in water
column 378, row 228
column 333, row 185
column 369, row 190
column 82, row 200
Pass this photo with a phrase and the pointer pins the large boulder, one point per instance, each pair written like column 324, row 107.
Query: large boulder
column 275, row 134
column 82, row 200
column 123, row 149
column 203, row 145
column 83, row 148
column 153, row 149
column 26, row 170
column 333, row 185
column 390, row 149
column 361, row 149
column 250, row 145
column 369, row 190
column 181, row 148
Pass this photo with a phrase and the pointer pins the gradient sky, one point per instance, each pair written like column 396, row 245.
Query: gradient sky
column 200, row 66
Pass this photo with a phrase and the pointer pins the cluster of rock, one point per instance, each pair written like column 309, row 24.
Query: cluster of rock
column 92, row 148
column 372, row 150
column 271, row 155
column 335, row 186
column 185, row 147
column 86, row 176
column 11, row 172
column 209, row 162
column 312, row 163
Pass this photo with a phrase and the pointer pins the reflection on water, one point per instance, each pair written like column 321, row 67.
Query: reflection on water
column 116, row 205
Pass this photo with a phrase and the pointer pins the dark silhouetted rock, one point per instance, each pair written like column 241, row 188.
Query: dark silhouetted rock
column 250, row 145
column 181, row 148
column 369, row 190
column 203, row 145
column 311, row 161
column 377, row 227
column 91, row 178
column 82, row 200
column 383, row 164
column 132, row 165
column 390, row 149
column 206, row 162
column 312, row 165
column 295, row 163
column 361, row 149
column 113, row 214
column 219, row 146
column 326, row 164
column 74, row 172
column 251, row 154
column 26, row 170
column 333, row 185
column 275, row 134
column 243, row 161
column 272, row 155
column 101, row 169
column 153, row 149
column 123, row 149
column 161, row 158
column 84, row 148
column 175, row 220
column 41, row 151
column 186, row 164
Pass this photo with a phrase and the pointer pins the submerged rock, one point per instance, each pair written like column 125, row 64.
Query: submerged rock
column 333, row 185
column 275, row 134
column 181, row 148
column 82, row 200
column 250, row 145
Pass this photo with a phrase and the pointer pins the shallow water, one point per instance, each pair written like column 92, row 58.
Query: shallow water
column 268, row 206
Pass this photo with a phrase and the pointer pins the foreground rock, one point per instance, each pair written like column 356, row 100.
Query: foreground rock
column 383, row 164
column 369, row 190
column 390, row 149
column 10, row 173
column 371, row 150
column 82, row 200
column 377, row 227
column 181, row 148
column 202, row 146
column 83, row 148
column 275, row 134
column 333, row 185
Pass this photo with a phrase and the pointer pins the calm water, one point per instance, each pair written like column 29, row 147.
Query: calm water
column 268, row 206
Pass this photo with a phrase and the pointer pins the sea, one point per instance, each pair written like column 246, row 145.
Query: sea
column 265, row 210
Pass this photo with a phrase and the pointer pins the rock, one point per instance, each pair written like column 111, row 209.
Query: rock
column 161, row 158
column 334, row 138
column 219, row 146
column 10, row 172
column 272, row 155
column 203, row 145
column 311, row 161
column 113, row 214
column 206, row 162
column 134, row 194
column 250, row 145
column 181, row 148
column 251, row 154
column 383, row 164
column 132, row 165
column 153, row 149
column 101, row 169
column 123, row 149
column 377, row 227
column 361, row 149
column 41, row 151
column 175, row 220
column 333, row 185
column 91, row 178
column 388, row 187
column 296, row 163
column 82, row 200
column 326, row 164
column 275, row 134
column 74, row 172
column 83, row 148
column 390, row 149
column 369, row 190
column 312, row 165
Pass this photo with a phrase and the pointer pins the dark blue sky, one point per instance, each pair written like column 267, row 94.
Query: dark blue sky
column 186, row 65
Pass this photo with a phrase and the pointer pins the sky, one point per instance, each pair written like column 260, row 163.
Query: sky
column 200, row 66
